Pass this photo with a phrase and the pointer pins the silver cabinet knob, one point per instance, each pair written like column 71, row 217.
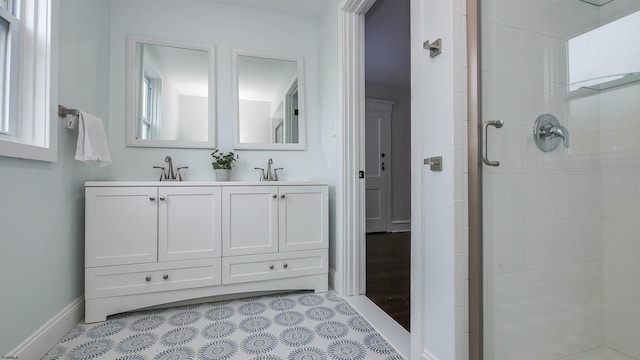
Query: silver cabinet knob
column 282, row 196
column 165, row 276
column 148, row 278
column 162, row 198
column 152, row 198
column 285, row 266
column 272, row 267
column 275, row 196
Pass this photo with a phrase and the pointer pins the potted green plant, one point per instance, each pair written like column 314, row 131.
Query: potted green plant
column 222, row 163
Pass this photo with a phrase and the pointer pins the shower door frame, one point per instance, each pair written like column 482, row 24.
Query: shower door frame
column 474, row 99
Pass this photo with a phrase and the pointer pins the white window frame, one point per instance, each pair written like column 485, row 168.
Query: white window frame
column 36, row 100
column 10, row 85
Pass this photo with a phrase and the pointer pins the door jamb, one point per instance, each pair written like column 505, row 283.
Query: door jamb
column 352, row 105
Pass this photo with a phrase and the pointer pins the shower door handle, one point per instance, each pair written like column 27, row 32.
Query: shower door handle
column 498, row 124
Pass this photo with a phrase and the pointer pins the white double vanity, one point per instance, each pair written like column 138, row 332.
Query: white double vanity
column 152, row 243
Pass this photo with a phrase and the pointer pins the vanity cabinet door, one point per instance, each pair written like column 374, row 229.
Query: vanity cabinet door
column 250, row 220
column 188, row 223
column 121, row 225
column 303, row 218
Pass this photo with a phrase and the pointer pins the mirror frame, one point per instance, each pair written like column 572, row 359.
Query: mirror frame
column 301, row 144
column 131, row 95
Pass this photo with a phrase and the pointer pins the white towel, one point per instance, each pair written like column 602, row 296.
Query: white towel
column 92, row 142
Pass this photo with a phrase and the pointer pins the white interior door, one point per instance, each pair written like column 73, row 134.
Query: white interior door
column 377, row 163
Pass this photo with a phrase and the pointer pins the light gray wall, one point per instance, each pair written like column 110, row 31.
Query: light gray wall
column 42, row 204
column 226, row 27
column 331, row 148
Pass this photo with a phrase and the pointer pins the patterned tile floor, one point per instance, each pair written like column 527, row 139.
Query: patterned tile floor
column 295, row 326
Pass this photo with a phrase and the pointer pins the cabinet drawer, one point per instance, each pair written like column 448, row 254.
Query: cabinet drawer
column 147, row 278
column 238, row 269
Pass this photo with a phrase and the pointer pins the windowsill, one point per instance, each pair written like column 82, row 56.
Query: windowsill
column 26, row 151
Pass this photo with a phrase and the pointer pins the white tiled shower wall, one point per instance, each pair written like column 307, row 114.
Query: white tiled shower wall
column 561, row 243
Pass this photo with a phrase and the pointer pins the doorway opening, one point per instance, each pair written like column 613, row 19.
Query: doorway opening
column 387, row 129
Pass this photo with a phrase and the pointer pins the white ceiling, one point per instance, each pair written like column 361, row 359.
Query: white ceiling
column 305, row 8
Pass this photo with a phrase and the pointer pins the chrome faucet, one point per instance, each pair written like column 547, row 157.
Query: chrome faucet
column 555, row 131
column 269, row 176
column 170, row 175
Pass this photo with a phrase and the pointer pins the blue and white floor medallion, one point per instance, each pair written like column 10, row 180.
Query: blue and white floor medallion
column 307, row 353
column 107, row 328
column 133, row 357
column 358, row 323
column 310, row 300
column 320, row 313
column 259, row 343
column 179, row 353
column 147, row 323
column 218, row 330
column 282, row 304
column 346, row 350
column 74, row 333
column 267, row 357
column 332, row 330
column 179, row 336
column 345, row 309
column 289, row 318
column 255, row 324
column 136, row 342
column 91, row 349
column 376, row 343
column 219, row 313
column 252, row 308
column 218, row 350
column 185, row 317
column 297, row 336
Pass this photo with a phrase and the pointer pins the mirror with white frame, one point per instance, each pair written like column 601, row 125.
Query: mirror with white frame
column 268, row 99
column 170, row 97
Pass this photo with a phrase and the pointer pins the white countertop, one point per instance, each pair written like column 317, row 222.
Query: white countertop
column 203, row 183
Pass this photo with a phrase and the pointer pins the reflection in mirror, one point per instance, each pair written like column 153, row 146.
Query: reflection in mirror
column 268, row 100
column 170, row 95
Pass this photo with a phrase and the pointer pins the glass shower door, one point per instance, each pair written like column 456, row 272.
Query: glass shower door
column 561, row 213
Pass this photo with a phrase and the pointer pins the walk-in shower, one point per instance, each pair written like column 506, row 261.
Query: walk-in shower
column 555, row 228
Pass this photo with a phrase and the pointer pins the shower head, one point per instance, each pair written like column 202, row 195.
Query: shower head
column 597, row 2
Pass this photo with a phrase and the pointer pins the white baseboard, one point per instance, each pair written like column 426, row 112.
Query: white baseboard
column 399, row 226
column 426, row 355
column 49, row 334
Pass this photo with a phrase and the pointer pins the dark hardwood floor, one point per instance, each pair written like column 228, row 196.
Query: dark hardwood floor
column 389, row 274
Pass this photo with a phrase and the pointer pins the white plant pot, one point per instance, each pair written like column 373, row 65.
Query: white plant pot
column 222, row 174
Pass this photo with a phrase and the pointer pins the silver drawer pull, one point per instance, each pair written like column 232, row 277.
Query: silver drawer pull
column 272, row 267
column 152, row 198
column 165, row 276
column 148, row 278
column 285, row 266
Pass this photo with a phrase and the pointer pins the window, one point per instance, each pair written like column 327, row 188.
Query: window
column 9, row 43
column 607, row 56
column 151, row 98
column 146, row 108
column 26, row 82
